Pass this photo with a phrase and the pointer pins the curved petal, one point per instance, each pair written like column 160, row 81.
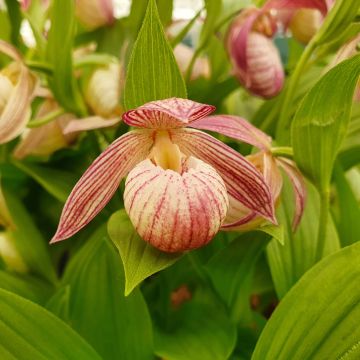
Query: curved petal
column 241, row 218
column 167, row 113
column 299, row 187
column 297, row 4
column 100, row 181
column 234, row 127
column 89, row 123
column 243, row 181
column 17, row 110
column 176, row 212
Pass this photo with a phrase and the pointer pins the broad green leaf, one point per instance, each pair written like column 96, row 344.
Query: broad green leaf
column 117, row 327
column 319, row 317
column 236, row 264
column 27, row 286
column 28, row 331
column 28, row 240
column 152, row 72
column 139, row 258
column 59, row 303
column 56, row 182
column 349, row 154
column 347, row 214
column 203, row 331
column 213, row 9
column 290, row 261
column 5, row 27
column 13, row 8
column 321, row 121
column 59, row 55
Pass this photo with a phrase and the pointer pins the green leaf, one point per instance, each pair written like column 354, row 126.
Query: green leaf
column 13, row 8
column 28, row 331
column 117, row 327
column 203, row 331
column 152, row 73
column 139, row 258
column 28, row 240
column 319, row 317
column 27, row 286
column 213, row 9
column 290, row 261
column 236, row 264
column 59, row 55
column 321, row 121
column 56, row 182
column 348, row 213
column 350, row 149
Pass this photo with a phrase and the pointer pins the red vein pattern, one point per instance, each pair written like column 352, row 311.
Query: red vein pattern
column 243, row 181
column 176, row 212
column 166, row 114
column 234, row 127
column 100, row 181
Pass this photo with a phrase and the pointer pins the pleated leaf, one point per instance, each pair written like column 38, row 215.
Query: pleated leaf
column 28, row 331
column 321, row 122
column 117, row 327
column 319, row 317
column 152, row 73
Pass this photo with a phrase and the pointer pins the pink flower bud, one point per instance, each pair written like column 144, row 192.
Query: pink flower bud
column 255, row 59
column 95, row 13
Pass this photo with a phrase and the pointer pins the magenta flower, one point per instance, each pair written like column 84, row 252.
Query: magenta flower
column 179, row 179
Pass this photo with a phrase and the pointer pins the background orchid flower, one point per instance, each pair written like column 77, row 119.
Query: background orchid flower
column 102, row 93
column 239, row 217
column 179, row 179
column 95, row 13
column 17, row 86
column 255, row 59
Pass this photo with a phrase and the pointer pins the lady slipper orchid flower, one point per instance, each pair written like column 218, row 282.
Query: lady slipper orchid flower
column 95, row 13
column 255, row 59
column 179, row 179
column 17, row 87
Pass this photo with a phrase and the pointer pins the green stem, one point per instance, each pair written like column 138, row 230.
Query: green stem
column 284, row 120
column 46, row 119
column 40, row 66
column 284, row 151
column 323, row 222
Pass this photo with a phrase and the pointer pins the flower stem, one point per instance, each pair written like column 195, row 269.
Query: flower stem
column 323, row 222
column 40, row 66
column 46, row 119
column 284, row 119
column 284, row 151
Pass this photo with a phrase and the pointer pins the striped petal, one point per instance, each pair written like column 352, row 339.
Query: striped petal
column 241, row 218
column 234, row 127
column 243, row 181
column 100, row 181
column 176, row 212
column 299, row 187
column 167, row 114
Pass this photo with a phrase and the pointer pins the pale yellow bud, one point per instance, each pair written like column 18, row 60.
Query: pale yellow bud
column 95, row 13
column 6, row 88
column 305, row 23
column 10, row 255
column 103, row 91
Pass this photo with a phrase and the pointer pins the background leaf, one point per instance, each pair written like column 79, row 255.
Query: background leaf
column 152, row 72
column 319, row 317
column 117, row 327
column 139, row 258
column 290, row 261
column 28, row 331
column 59, row 54
column 321, row 121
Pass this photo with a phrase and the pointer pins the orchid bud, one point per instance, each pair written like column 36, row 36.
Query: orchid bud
column 46, row 139
column 95, row 13
column 305, row 23
column 183, row 55
column 256, row 60
column 102, row 93
column 10, row 255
